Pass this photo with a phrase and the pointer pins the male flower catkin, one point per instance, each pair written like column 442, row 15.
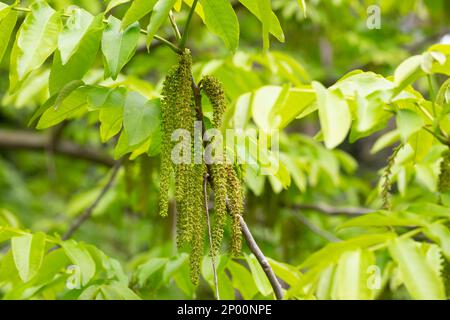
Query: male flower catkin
column 444, row 175
column 178, row 112
column 226, row 184
column 213, row 90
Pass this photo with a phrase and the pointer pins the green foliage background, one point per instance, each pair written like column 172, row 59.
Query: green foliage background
column 359, row 208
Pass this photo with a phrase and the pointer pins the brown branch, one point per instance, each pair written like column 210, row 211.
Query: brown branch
column 88, row 212
column 213, row 258
column 254, row 248
column 327, row 209
column 34, row 141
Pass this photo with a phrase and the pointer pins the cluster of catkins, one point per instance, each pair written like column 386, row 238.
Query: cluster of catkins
column 178, row 111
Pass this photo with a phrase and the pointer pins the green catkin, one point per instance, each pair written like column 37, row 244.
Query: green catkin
column 386, row 179
column 198, row 221
column 445, row 274
column 178, row 112
column 168, row 104
column 184, row 175
column 236, row 207
column 214, row 91
column 444, row 175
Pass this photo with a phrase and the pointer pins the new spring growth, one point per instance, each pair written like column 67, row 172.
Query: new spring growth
column 178, row 112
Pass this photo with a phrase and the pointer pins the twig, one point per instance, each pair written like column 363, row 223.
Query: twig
column 254, row 248
column 21, row 139
column 325, row 208
column 173, row 22
column 186, row 27
column 88, row 212
column 213, row 258
column 320, row 232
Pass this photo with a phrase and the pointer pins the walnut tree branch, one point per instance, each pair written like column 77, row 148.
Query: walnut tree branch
column 88, row 212
column 22, row 139
column 254, row 248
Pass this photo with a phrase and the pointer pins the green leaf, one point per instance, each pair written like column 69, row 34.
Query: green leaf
column 118, row 46
column 242, row 280
column 420, row 279
column 7, row 24
column 274, row 26
column 69, row 107
column 325, row 283
column 408, row 123
column 302, row 5
column 351, row 277
column 141, row 118
column 262, row 283
column 221, row 20
column 159, row 15
column 28, row 252
column 287, row 273
column 173, row 265
column 114, row 3
column 334, row 115
column 75, row 28
column 90, row 293
column 36, row 40
column 137, row 10
column 385, row 140
column 381, row 220
column 408, row 72
column 440, row 234
column 66, row 91
column 81, row 258
column 53, row 263
column 265, row 10
column 226, row 290
column 111, row 114
column 146, row 270
column 331, row 252
column 80, row 60
column 274, row 107
column 117, row 291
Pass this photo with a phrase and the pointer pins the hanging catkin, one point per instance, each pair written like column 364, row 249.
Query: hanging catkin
column 226, row 184
column 386, row 179
column 444, row 175
column 178, row 112
column 236, row 207
column 213, row 90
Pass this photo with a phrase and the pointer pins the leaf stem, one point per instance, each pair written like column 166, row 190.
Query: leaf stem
column 432, row 96
column 173, row 22
column 186, row 27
